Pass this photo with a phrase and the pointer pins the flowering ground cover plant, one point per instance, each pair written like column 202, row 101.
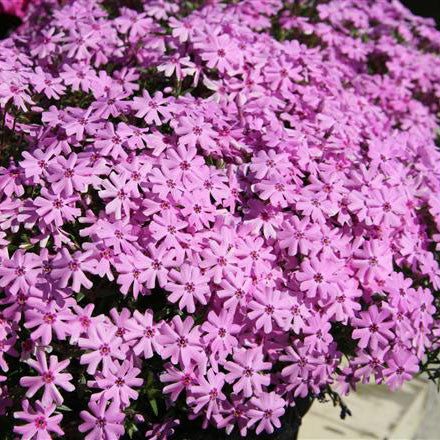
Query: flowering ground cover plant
column 213, row 211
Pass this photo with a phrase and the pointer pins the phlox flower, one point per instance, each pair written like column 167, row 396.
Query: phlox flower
column 73, row 267
column 318, row 278
column 373, row 328
column 50, row 320
column 268, row 307
column 20, row 272
column 178, row 380
column 402, row 365
column 49, row 377
column 266, row 410
column 104, row 346
column 373, row 260
column 181, row 341
column 151, row 109
column 102, row 421
column 118, row 385
column 207, row 393
column 245, row 371
column 39, row 421
column 219, row 331
column 144, row 332
column 186, row 285
column 116, row 189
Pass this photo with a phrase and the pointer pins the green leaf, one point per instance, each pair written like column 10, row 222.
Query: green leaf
column 132, row 429
column 64, row 408
column 153, row 405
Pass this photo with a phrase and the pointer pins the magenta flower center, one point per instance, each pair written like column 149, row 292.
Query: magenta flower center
column 187, row 380
column 189, row 287
column 57, row 204
column 221, row 261
column 373, row 328
column 373, row 261
column 149, row 332
column 318, row 278
column 213, row 394
column 48, row 377
column 222, row 332
column 49, row 318
column 73, row 266
column 19, row 271
column 104, row 349
column 269, row 309
column 182, row 341
column 248, row 372
column 85, row 321
column 40, row 423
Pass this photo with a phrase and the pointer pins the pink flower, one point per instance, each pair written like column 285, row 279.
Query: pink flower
column 373, row 261
column 207, row 393
column 181, row 341
column 297, row 236
column 40, row 421
column 220, row 52
column 133, row 272
column 105, row 347
column 219, row 331
column 245, row 372
column 20, row 272
column 186, row 285
column 219, row 260
column 116, row 189
column 49, row 319
column 144, row 333
column 67, row 175
column 178, row 380
column 195, row 131
column 150, row 108
column 102, row 421
column 54, row 208
column 266, row 410
column 402, row 365
column 50, row 377
column 269, row 307
column 318, row 278
column 373, row 328
column 68, row 267
column 118, row 384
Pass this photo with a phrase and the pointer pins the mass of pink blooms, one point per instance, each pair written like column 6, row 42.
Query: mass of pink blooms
column 16, row 7
column 212, row 209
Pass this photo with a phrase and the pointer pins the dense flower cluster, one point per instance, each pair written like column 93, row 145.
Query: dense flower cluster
column 211, row 210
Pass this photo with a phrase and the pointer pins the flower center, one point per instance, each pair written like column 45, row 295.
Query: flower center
column 149, row 332
column 248, row 372
column 373, row 328
column 318, row 278
column 49, row 318
column 222, row 332
column 269, row 310
column 182, row 341
column 189, row 287
column 104, row 350
column 48, row 377
column 40, row 423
